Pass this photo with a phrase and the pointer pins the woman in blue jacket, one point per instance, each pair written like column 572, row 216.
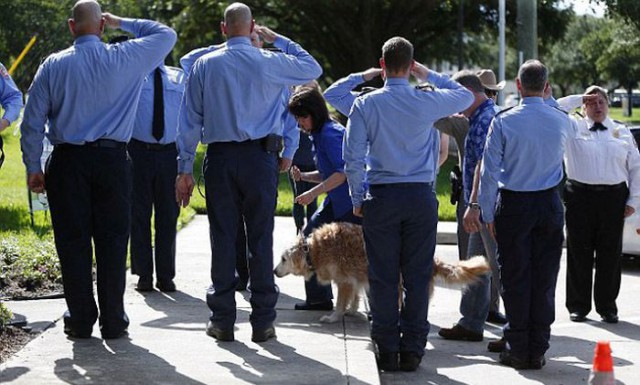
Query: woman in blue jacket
column 309, row 108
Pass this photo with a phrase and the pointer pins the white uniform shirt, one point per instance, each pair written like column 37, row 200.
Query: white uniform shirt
column 604, row 157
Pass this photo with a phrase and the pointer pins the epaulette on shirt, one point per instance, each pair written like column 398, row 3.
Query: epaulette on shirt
column 366, row 90
column 503, row 111
column 561, row 110
column 274, row 49
column 579, row 114
column 425, row 87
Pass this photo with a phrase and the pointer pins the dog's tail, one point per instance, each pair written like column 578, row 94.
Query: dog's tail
column 463, row 272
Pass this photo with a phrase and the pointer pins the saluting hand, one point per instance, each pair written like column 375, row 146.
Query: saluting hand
column 265, row 33
column 184, row 188
column 111, row 21
column 420, row 71
column 371, row 73
column 36, row 182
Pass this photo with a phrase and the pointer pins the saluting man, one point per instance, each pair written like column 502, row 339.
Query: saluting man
column 87, row 95
column 155, row 167
column 234, row 103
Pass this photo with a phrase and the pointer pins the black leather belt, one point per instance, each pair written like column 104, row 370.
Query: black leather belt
column 100, row 143
column 402, row 185
column 597, row 187
column 503, row 190
column 151, row 146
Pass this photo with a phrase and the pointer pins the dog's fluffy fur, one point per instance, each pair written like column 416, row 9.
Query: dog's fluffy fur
column 337, row 254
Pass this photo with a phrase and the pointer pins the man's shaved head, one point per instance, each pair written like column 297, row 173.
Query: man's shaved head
column 86, row 16
column 238, row 19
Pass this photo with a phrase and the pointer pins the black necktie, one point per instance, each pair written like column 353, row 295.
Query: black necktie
column 598, row 127
column 158, row 106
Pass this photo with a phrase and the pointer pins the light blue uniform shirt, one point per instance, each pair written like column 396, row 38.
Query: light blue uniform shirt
column 10, row 96
column 394, row 126
column 340, row 94
column 524, row 151
column 236, row 94
column 90, row 90
column 173, row 88
column 290, row 126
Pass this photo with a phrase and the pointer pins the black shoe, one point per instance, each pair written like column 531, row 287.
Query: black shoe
column 497, row 346
column 577, row 316
column 506, row 358
column 166, row 286
column 610, row 318
column 219, row 334
column 113, row 336
column 388, row 362
column 326, row 306
column 145, row 283
column 496, row 317
column 537, row 362
column 76, row 334
column 263, row 334
column 458, row 333
column 409, row 361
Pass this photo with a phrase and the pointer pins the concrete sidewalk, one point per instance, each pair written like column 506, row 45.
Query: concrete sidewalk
column 167, row 343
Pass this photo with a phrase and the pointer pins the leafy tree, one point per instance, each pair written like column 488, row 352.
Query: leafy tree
column 572, row 62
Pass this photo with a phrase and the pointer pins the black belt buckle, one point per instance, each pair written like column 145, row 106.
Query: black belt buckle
column 106, row 143
column 272, row 143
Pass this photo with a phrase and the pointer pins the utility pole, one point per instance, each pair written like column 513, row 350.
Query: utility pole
column 527, row 22
column 460, row 35
column 501, row 54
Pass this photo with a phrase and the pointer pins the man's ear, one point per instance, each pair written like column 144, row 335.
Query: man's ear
column 382, row 64
column 72, row 27
column 102, row 24
column 223, row 28
column 519, row 85
column 253, row 24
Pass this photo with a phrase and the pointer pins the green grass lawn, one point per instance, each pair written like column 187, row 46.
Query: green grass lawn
column 616, row 114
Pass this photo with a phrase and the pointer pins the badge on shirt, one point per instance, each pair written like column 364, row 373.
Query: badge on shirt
column 3, row 72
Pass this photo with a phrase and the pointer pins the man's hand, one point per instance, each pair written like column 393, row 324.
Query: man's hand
column 111, row 21
column 420, row 72
column 36, row 182
column 184, row 188
column 284, row 164
column 357, row 211
column 471, row 221
column 4, row 124
column 628, row 211
column 371, row 73
column 492, row 230
column 306, row 198
column 265, row 33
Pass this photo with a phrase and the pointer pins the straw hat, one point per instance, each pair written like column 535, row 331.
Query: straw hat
column 488, row 80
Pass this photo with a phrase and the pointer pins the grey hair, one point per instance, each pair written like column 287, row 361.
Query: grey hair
column 237, row 15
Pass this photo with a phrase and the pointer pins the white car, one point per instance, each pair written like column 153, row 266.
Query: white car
column 631, row 239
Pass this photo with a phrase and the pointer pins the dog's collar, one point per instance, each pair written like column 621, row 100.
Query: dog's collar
column 307, row 254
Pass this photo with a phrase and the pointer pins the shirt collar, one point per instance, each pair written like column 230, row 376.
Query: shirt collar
column 396, row 82
column 607, row 122
column 239, row 40
column 84, row 39
column 487, row 104
column 532, row 100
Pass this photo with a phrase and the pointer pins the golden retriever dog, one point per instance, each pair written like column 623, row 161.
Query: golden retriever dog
column 335, row 252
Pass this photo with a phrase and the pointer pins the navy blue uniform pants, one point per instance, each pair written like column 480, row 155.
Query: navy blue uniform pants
column 400, row 225
column 317, row 293
column 595, row 221
column 241, row 178
column 154, row 178
column 89, row 191
column 529, row 236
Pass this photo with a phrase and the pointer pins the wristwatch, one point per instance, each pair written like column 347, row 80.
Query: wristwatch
column 474, row 206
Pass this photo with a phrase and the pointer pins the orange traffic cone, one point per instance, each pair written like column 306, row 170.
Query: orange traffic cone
column 602, row 371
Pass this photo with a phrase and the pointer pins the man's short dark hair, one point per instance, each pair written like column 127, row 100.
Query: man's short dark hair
column 397, row 54
column 533, row 75
column 470, row 80
column 309, row 101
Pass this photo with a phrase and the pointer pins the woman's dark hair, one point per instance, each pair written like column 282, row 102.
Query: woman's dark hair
column 310, row 102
